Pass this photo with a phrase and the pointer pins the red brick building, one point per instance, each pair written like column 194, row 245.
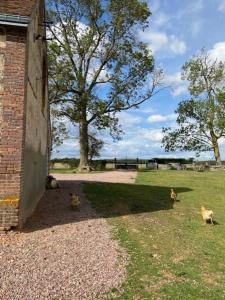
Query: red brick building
column 23, row 109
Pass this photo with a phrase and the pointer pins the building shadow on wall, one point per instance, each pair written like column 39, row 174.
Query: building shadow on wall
column 110, row 199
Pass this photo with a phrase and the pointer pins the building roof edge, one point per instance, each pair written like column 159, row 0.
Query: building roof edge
column 14, row 20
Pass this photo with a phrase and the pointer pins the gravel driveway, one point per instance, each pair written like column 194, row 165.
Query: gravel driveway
column 63, row 254
column 111, row 176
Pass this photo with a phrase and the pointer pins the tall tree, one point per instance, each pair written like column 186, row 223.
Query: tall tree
column 201, row 119
column 97, row 65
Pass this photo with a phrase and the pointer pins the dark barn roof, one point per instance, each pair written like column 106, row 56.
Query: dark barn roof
column 17, row 7
column 168, row 160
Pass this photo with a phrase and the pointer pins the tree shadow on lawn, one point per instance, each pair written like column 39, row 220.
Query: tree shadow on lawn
column 110, row 199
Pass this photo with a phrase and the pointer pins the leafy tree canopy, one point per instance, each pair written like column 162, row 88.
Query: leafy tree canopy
column 201, row 119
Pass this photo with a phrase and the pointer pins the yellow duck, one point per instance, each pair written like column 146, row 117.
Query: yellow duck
column 173, row 195
column 74, row 201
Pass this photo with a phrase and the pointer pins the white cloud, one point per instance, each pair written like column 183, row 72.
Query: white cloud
column 69, row 148
column 161, row 118
column 196, row 27
column 156, row 40
column 154, row 5
column 160, row 41
column 173, row 79
column 177, row 46
column 152, row 135
column 127, row 119
column 218, row 51
column 161, row 19
column 221, row 7
column 146, row 110
column 71, row 142
column 178, row 86
column 193, row 8
column 179, row 90
column 141, row 142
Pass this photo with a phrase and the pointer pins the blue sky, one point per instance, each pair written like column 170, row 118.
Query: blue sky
column 178, row 30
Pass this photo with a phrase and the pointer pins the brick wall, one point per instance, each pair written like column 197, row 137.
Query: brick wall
column 12, row 76
column 23, row 114
column 17, row 7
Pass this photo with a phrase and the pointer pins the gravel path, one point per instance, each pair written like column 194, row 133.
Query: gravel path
column 110, row 176
column 63, row 254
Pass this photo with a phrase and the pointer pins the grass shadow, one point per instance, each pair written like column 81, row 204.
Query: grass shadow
column 126, row 199
column 116, row 199
column 215, row 223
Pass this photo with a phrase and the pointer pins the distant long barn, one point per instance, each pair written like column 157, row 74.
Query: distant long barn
column 128, row 164
column 154, row 164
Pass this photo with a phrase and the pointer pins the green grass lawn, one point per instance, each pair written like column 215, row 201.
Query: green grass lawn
column 173, row 254
column 61, row 171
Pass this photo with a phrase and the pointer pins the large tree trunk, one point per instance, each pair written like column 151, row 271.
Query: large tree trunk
column 83, row 128
column 216, row 151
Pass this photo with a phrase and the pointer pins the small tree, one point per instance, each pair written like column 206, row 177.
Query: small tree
column 201, row 119
column 97, row 65
column 59, row 131
column 94, row 146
